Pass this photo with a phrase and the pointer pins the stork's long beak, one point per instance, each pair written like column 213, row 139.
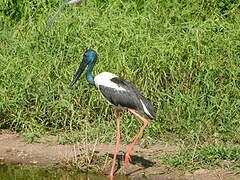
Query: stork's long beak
column 52, row 19
column 79, row 72
column 75, row 1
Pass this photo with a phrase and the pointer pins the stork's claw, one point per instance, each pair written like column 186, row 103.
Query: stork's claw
column 110, row 177
column 127, row 160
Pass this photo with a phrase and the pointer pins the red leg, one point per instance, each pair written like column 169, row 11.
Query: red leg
column 130, row 149
column 116, row 112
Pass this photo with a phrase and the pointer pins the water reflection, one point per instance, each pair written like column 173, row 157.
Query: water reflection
column 17, row 172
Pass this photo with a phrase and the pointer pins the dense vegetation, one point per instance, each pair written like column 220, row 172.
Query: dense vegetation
column 185, row 57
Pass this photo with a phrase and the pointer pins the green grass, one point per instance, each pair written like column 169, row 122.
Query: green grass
column 206, row 157
column 184, row 57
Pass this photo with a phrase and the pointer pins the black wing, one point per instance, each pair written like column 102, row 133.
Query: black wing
column 131, row 97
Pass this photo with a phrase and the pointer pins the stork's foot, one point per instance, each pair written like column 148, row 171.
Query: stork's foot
column 127, row 160
column 110, row 176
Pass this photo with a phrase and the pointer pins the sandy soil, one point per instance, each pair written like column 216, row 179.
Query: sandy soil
column 14, row 149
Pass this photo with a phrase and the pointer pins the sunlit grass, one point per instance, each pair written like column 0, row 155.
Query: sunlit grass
column 206, row 157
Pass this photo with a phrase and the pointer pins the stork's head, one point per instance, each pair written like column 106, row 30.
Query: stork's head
column 89, row 58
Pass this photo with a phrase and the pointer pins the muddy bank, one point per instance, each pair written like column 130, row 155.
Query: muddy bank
column 14, row 149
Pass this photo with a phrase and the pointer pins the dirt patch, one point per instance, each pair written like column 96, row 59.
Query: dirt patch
column 14, row 149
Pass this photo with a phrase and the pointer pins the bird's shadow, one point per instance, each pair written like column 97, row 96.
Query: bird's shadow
column 135, row 160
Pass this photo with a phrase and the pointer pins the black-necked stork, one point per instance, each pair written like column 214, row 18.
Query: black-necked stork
column 121, row 94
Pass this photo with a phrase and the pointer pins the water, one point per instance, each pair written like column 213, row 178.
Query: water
column 17, row 172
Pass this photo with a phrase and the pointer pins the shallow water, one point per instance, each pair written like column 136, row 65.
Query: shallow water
column 17, row 172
